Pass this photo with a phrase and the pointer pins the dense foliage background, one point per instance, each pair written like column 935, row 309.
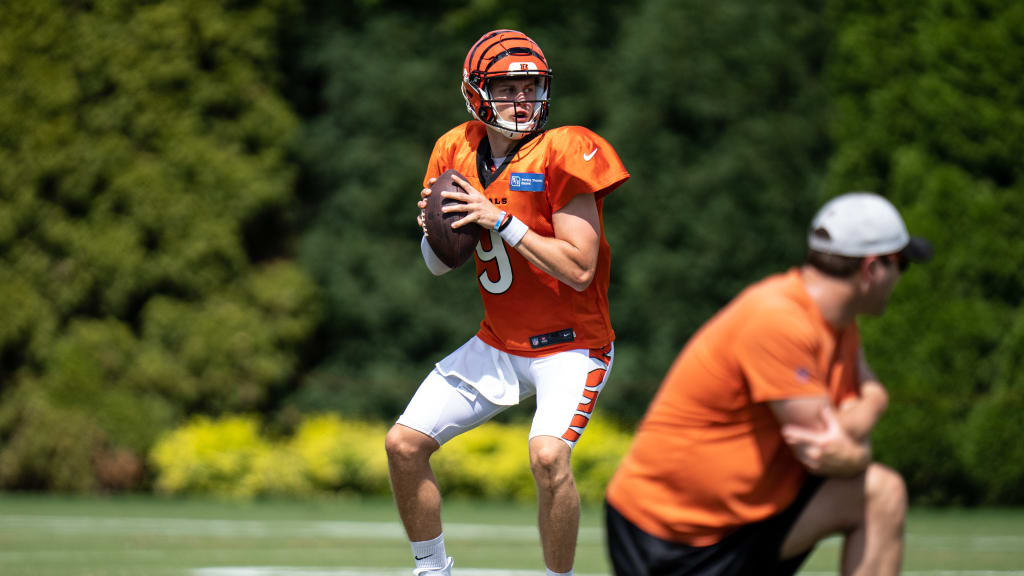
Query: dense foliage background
column 144, row 162
column 207, row 208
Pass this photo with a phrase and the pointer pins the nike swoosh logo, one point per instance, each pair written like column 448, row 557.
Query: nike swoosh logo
column 587, row 157
column 422, row 557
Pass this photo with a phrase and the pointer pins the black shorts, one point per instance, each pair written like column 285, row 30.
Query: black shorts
column 753, row 549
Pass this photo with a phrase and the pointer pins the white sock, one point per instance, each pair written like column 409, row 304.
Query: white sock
column 553, row 573
column 430, row 553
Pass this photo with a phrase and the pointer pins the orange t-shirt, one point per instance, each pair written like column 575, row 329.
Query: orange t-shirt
column 708, row 456
column 528, row 312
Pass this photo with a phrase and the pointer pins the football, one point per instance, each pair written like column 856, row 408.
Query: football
column 452, row 245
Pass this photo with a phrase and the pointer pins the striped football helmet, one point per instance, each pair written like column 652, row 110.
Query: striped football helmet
column 506, row 54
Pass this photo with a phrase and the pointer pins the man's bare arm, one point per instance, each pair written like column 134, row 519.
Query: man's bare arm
column 858, row 416
column 813, row 432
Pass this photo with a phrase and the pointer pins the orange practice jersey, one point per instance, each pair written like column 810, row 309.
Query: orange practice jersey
column 527, row 312
column 709, row 455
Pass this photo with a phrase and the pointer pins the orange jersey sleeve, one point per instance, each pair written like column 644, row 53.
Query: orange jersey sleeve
column 456, row 149
column 526, row 311
column 583, row 163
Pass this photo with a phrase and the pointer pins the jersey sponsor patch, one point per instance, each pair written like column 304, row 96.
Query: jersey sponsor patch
column 552, row 338
column 526, row 182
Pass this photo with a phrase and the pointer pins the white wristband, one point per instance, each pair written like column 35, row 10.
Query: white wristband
column 434, row 263
column 514, row 231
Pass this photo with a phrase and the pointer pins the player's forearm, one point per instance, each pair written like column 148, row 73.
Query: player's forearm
column 842, row 458
column 858, row 420
column 858, row 417
column 820, row 444
column 560, row 259
column 433, row 263
column 853, row 459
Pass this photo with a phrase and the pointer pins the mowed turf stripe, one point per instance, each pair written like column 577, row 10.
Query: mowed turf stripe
column 294, row 571
column 72, row 525
column 266, row 528
column 937, row 573
column 75, row 525
column 358, row 571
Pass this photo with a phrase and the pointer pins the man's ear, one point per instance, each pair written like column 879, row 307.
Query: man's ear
column 867, row 270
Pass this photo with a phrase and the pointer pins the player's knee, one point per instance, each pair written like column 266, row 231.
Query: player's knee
column 550, row 463
column 886, row 493
column 405, row 444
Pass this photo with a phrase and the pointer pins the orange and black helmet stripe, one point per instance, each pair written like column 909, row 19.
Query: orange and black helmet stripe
column 507, row 43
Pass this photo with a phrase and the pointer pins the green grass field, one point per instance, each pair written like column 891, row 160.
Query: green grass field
column 52, row 536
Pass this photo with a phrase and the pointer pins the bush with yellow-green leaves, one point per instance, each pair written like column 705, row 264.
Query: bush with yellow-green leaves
column 226, row 457
column 230, row 457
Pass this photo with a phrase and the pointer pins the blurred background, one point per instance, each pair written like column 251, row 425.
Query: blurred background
column 210, row 279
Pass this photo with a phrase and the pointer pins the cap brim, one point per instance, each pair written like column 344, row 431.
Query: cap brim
column 918, row 250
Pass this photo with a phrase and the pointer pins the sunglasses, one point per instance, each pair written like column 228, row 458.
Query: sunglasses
column 899, row 259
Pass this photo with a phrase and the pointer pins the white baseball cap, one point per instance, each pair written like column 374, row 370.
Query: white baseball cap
column 863, row 224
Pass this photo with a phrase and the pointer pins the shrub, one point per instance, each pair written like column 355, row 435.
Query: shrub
column 46, row 446
column 327, row 454
column 211, row 457
column 338, row 454
column 274, row 471
column 992, row 447
column 491, row 461
column 596, row 456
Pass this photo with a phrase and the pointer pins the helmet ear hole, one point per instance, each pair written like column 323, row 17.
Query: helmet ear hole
column 477, row 102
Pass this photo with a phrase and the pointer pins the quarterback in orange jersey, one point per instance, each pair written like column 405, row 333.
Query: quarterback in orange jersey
column 542, row 266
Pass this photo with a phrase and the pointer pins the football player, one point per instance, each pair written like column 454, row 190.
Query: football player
column 542, row 266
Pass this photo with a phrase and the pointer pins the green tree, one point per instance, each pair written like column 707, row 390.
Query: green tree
column 927, row 108
column 143, row 161
column 718, row 111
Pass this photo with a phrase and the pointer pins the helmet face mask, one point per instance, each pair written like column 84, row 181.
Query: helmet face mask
column 494, row 88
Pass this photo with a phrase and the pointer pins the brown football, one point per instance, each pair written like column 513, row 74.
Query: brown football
column 452, row 245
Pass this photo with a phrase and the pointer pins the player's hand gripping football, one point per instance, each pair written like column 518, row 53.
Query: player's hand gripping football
column 477, row 207
column 422, row 205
